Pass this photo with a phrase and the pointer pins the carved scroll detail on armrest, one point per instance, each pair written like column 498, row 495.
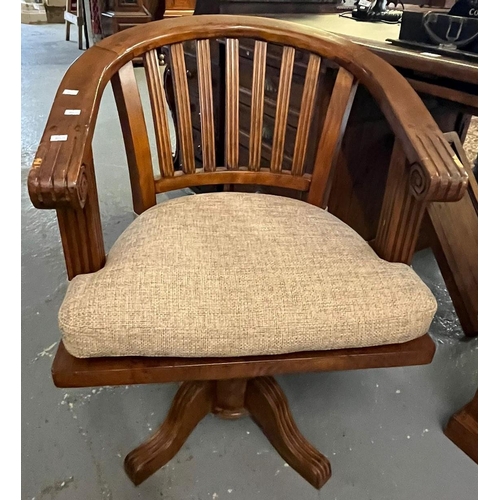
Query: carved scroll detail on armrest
column 44, row 194
column 439, row 175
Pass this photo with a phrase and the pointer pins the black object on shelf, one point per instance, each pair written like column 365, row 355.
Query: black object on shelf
column 439, row 33
column 375, row 11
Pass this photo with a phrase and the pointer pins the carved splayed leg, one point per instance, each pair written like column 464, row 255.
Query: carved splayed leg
column 191, row 404
column 268, row 407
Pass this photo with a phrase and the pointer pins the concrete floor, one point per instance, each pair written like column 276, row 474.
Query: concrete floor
column 381, row 429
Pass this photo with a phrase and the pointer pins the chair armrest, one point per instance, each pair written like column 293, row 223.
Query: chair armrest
column 62, row 174
column 59, row 175
column 436, row 173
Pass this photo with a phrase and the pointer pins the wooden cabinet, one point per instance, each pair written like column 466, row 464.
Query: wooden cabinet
column 175, row 8
column 122, row 14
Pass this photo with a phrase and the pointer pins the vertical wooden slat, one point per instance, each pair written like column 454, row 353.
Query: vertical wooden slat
column 232, row 103
column 160, row 115
column 184, row 123
column 135, row 135
column 81, row 230
column 332, row 134
column 206, row 104
column 257, row 111
column 401, row 214
column 282, row 102
column 306, row 113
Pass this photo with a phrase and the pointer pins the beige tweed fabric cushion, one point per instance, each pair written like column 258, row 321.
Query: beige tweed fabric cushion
column 236, row 274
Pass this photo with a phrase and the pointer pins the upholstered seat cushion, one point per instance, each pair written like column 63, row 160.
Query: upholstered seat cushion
column 235, row 274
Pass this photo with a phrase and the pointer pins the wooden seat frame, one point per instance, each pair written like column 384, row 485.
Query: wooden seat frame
column 423, row 169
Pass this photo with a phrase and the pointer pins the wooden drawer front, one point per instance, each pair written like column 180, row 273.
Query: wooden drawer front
column 267, row 130
column 269, row 107
column 130, row 22
column 180, row 4
column 272, row 83
column 265, row 154
column 274, row 55
column 243, row 151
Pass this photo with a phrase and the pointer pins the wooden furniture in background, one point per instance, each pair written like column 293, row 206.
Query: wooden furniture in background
column 423, row 169
column 122, row 14
column 267, row 6
column 175, row 8
column 462, row 429
column 74, row 14
column 119, row 15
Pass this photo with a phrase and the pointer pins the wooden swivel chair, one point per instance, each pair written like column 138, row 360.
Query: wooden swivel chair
column 224, row 290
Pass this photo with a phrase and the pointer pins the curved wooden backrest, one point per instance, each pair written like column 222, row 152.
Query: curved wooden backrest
column 59, row 176
column 234, row 169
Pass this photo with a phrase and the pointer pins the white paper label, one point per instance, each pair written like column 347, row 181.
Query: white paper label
column 72, row 111
column 70, row 92
column 56, row 138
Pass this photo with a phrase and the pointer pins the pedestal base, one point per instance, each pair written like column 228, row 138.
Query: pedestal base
column 260, row 397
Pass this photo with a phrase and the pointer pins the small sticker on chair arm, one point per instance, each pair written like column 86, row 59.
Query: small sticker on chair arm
column 70, row 92
column 55, row 138
column 72, row 111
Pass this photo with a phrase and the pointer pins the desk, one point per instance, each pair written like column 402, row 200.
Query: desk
column 451, row 79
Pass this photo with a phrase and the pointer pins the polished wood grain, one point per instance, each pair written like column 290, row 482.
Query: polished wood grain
column 68, row 371
column 191, row 404
column 268, row 406
column 331, row 137
column 230, row 398
column 257, row 111
column 232, row 103
column 160, row 113
column 282, row 103
column 182, row 106
column 206, row 105
column 135, row 136
column 306, row 114
column 263, row 177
